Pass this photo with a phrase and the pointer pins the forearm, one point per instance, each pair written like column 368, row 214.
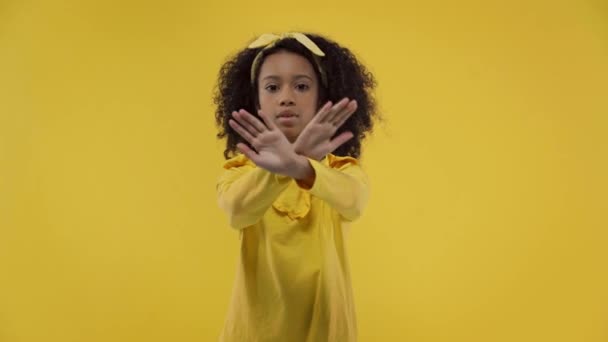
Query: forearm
column 303, row 173
column 347, row 190
column 245, row 196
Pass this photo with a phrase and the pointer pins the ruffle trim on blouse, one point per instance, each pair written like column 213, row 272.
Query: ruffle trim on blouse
column 294, row 201
column 236, row 161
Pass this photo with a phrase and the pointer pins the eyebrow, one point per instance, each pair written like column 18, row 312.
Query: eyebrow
column 274, row 77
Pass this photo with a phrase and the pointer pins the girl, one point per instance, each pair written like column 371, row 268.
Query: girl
column 297, row 107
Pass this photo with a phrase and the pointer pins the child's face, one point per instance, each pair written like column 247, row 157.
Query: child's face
column 288, row 91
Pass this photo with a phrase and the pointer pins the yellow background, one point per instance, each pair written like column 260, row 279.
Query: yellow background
column 488, row 214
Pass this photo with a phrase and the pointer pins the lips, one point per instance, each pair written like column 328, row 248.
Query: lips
column 287, row 114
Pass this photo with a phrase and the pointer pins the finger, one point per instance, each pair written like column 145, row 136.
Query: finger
column 340, row 139
column 241, row 131
column 268, row 121
column 334, row 119
column 322, row 113
column 252, row 120
column 238, row 117
column 340, row 119
column 247, row 151
column 336, row 109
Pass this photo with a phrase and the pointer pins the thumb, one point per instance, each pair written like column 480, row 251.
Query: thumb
column 267, row 120
column 248, row 152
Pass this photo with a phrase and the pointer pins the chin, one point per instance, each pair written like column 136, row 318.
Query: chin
column 290, row 135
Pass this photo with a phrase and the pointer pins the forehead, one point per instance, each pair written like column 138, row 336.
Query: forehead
column 286, row 64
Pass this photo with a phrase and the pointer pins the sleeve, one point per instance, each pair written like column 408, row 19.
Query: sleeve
column 343, row 185
column 245, row 192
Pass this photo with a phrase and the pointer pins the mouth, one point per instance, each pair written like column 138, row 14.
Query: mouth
column 287, row 114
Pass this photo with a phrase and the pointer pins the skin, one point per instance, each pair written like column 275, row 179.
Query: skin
column 287, row 82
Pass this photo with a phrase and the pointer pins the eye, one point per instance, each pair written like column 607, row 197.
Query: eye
column 302, row 86
column 272, row 88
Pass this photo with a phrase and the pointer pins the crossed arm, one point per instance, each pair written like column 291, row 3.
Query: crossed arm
column 246, row 192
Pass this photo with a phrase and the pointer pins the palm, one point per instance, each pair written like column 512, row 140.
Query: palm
column 273, row 151
column 315, row 140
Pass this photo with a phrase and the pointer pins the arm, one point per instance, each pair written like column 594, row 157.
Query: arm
column 245, row 193
column 344, row 185
column 346, row 188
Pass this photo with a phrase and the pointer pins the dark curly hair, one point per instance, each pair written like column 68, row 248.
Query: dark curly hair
column 346, row 77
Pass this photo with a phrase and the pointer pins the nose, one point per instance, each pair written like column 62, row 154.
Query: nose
column 286, row 98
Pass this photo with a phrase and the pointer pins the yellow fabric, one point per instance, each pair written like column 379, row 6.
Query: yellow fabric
column 268, row 40
column 293, row 281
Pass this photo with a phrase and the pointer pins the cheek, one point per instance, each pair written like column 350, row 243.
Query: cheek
column 313, row 104
column 310, row 113
column 263, row 100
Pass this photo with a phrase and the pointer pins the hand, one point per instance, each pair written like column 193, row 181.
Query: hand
column 273, row 151
column 315, row 139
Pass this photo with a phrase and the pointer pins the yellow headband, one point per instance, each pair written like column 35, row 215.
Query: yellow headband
column 268, row 40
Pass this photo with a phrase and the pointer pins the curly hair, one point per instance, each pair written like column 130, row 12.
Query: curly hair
column 346, row 77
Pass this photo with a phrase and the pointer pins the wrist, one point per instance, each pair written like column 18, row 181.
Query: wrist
column 298, row 167
column 301, row 168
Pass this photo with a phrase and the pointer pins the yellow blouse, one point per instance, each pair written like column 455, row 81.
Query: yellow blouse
column 293, row 282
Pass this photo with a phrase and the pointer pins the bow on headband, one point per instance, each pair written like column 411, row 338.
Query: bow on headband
column 268, row 40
